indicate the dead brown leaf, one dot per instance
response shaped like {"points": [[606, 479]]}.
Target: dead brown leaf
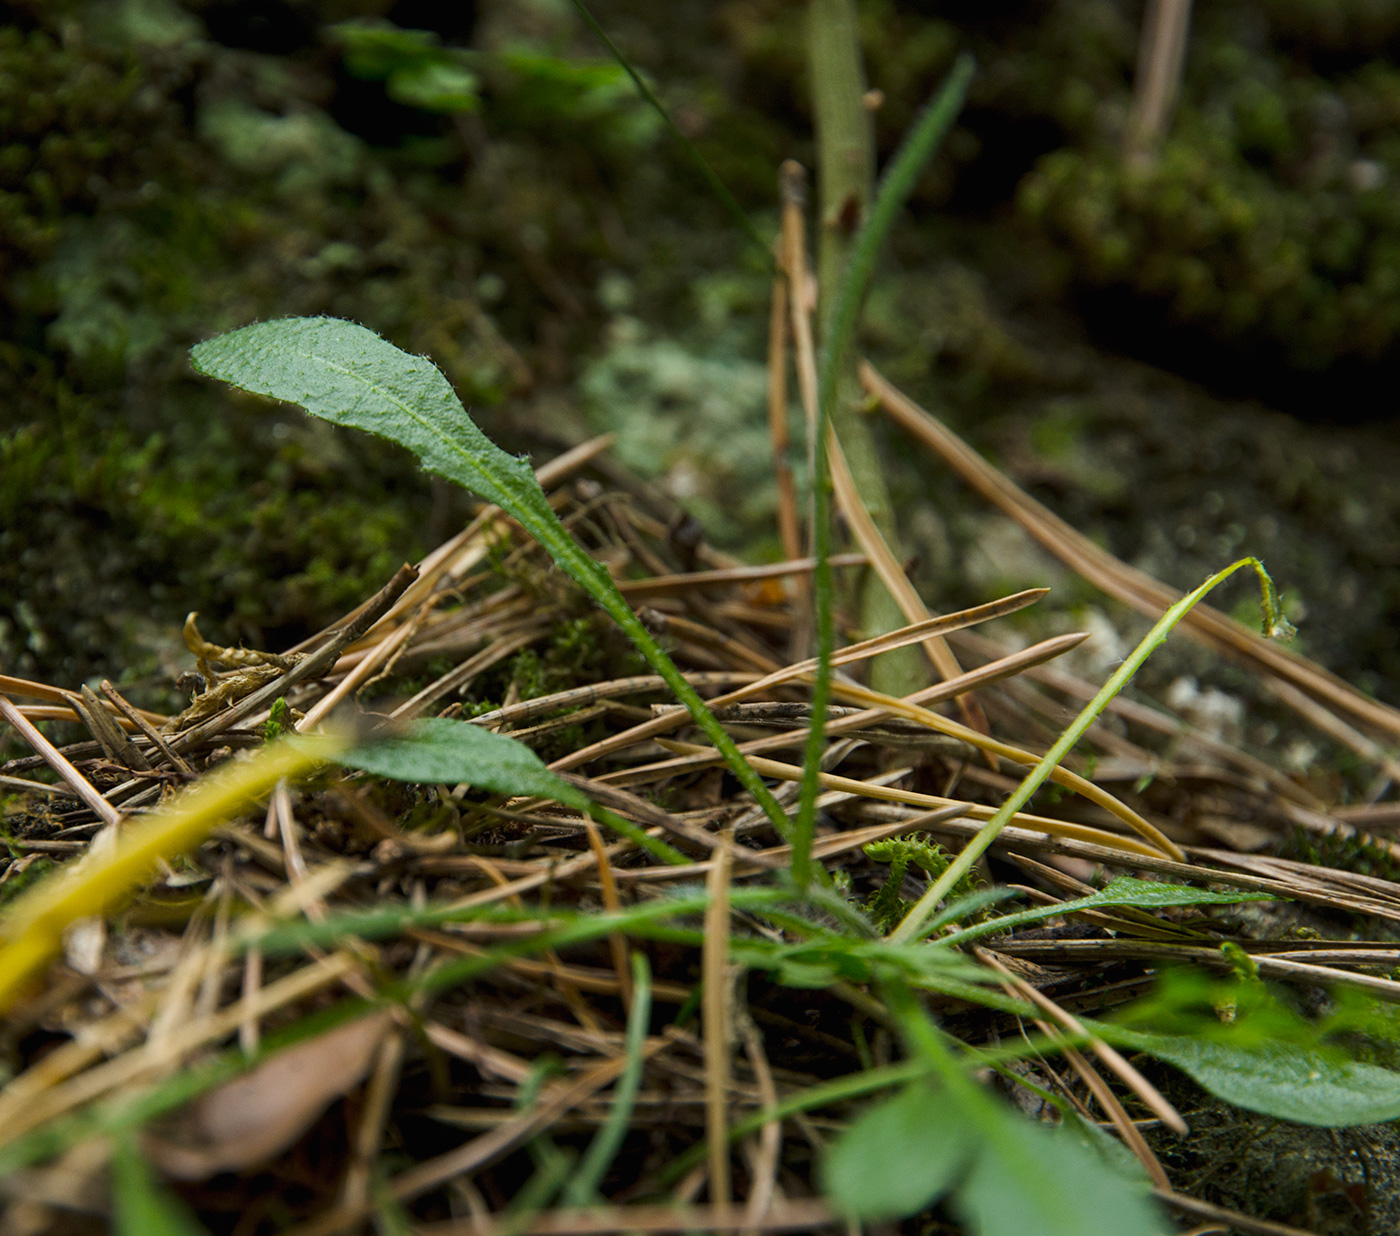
{"points": [[258, 1115]]}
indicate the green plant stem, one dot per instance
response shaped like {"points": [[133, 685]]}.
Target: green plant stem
{"points": [[845, 141], [598, 583], [913, 922], [895, 187], [845, 136], [583, 1188], [625, 828], [702, 165]]}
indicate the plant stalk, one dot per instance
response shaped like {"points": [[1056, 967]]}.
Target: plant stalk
{"points": [[846, 174]]}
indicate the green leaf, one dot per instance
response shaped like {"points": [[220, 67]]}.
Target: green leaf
{"points": [[1123, 891], [375, 49], [436, 87], [899, 1157], [442, 750], [1029, 1178], [346, 374], [140, 1206], [1280, 1079]]}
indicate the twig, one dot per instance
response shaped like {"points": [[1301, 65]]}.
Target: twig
{"points": [[789, 526], [55, 759], [135, 716], [718, 1024], [314, 665], [1161, 56]]}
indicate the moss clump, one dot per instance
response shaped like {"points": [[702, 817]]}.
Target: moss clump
{"points": [[1269, 216], [888, 907]]}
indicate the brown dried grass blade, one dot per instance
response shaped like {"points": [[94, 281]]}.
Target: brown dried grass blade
{"points": [[1115, 577], [892, 575]]}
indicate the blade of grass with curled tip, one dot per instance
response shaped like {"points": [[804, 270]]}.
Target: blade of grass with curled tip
{"points": [[1274, 622], [346, 374], [893, 191]]}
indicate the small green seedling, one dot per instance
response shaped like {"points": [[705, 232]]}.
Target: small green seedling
{"points": [[348, 375]]}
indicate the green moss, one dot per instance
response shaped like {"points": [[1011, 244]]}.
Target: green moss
{"points": [[887, 907], [1343, 853], [1267, 217]]}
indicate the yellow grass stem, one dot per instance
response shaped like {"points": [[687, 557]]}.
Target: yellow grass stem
{"points": [[31, 933]]}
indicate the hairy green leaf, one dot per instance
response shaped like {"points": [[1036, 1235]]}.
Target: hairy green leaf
{"points": [[442, 750], [1028, 1178], [1123, 891], [899, 1157], [1281, 1079], [346, 374]]}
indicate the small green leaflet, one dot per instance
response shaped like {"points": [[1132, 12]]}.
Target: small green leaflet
{"points": [[899, 1157], [346, 374], [1006, 1175], [442, 750], [140, 1206], [1123, 891], [1280, 1079], [1029, 1178]]}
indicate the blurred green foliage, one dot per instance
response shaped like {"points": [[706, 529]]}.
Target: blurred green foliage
{"points": [[157, 186], [1269, 216]]}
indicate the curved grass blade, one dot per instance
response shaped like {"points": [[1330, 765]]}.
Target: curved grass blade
{"points": [[602, 1150], [913, 922], [348, 375]]}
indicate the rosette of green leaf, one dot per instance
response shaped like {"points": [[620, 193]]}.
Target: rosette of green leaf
{"points": [[348, 375], [439, 750]]}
